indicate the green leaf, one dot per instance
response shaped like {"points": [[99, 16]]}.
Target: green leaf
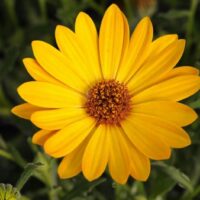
{"points": [[82, 187], [6, 155], [16, 156], [162, 185], [174, 14], [28, 172], [175, 174]]}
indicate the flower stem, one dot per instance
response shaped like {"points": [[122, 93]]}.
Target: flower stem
{"points": [[28, 172]]}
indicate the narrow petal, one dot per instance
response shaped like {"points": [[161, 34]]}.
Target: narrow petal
{"points": [[57, 118], [186, 70], [126, 42], [58, 65], [174, 88], [161, 43], [139, 43], [71, 164], [86, 34], [25, 110], [156, 66], [174, 112], [119, 159], [111, 41], [178, 71], [69, 138], [38, 73], [49, 95], [144, 140], [96, 154], [160, 129], [70, 46], [139, 164], [41, 137]]}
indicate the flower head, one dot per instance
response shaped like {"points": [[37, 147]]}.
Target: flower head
{"points": [[108, 100], [8, 192]]}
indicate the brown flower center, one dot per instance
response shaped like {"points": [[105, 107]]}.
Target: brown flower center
{"points": [[108, 102]]}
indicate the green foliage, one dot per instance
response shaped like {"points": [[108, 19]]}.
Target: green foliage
{"points": [[23, 21]]}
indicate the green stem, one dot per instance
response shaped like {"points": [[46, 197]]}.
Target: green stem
{"points": [[10, 7], [53, 181], [6, 155], [28, 172], [129, 10], [190, 26], [43, 10]]}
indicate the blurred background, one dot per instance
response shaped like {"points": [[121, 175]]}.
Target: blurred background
{"points": [[22, 21]]}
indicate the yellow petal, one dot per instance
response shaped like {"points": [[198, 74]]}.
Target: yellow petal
{"points": [[174, 112], [96, 154], [70, 46], [160, 129], [139, 43], [58, 65], [119, 159], [139, 164], [126, 43], [126, 36], [69, 138], [178, 71], [25, 110], [71, 164], [49, 95], [111, 41], [161, 43], [186, 70], [144, 140], [156, 66], [86, 34], [37, 72], [57, 118], [174, 88], [182, 70], [41, 137]]}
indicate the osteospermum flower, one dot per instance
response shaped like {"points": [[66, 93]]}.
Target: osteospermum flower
{"points": [[108, 100]]}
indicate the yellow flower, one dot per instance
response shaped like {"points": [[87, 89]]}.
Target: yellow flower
{"points": [[108, 100]]}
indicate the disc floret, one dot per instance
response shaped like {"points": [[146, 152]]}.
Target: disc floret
{"points": [[108, 102]]}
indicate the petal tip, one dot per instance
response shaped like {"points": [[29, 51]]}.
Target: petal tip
{"points": [[188, 141], [146, 19], [60, 172], [20, 89], [182, 43], [81, 14], [59, 28], [195, 116], [47, 150], [35, 43], [34, 139], [113, 8], [25, 60], [14, 110]]}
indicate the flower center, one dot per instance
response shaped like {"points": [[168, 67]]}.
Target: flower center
{"points": [[108, 102]]}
